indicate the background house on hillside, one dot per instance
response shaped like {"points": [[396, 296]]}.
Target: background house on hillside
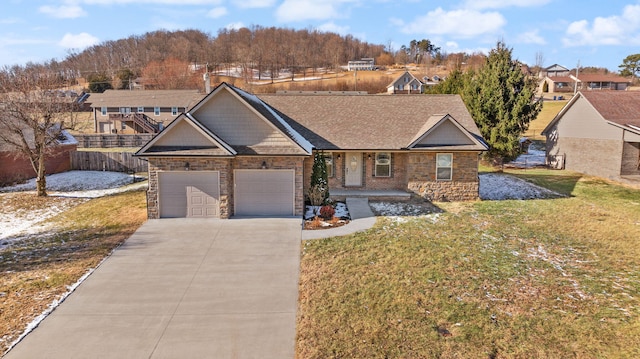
{"points": [[601, 82], [597, 133], [139, 111], [406, 83], [364, 64], [559, 79], [554, 70]]}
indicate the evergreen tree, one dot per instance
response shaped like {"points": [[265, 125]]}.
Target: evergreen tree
{"points": [[453, 84], [319, 177], [630, 66], [501, 100], [99, 83]]}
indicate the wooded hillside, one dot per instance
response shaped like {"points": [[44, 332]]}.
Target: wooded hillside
{"points": [[177, 59]]}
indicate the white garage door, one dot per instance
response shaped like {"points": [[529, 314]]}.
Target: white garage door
{"points": [[189, 194], [264, 192]]}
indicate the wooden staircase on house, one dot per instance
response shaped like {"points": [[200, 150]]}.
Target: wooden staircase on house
{"points": [[146, 123]]}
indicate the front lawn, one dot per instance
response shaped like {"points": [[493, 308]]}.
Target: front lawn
{"points": [[37, 269], [545, 278]]}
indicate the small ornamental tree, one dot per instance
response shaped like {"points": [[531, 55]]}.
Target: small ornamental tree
{"points": [[319, 177]]}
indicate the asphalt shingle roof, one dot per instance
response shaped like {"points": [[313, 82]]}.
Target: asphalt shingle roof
{"points": [[146, 98], [621, 107], [365, 122]]}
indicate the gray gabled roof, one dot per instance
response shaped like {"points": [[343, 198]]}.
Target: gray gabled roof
{"points": [[209, 144], [413, 78], [464, 141], [146, 98], [369, 122], [342, 122], [618, 108]]}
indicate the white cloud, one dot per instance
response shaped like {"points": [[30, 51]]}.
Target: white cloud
{"points": [[63, 11], [612, 30], [217, 12], [456, 23], [253, 4], [234, 26], [531, 37], [497, 4], [451, 45], [332, 27], [396, 22], [159, 2], [10, 21], [301, 10], [79, 41]]}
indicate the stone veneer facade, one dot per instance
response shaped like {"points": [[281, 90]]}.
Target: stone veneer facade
{"points": [[411, 171], [225, 166]]}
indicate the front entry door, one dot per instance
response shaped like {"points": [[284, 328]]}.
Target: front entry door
{"points": [[353, 169]]}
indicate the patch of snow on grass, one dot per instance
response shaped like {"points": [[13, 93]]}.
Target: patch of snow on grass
{"points": [[26, 222], [72, 184], [76, 181], [494, 186], [535, 157]]}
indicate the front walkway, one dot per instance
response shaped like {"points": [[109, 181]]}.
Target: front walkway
{"points": [[183, 288]]}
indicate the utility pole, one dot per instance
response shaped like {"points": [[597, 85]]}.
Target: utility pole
{"points": [[355, 79], [575, 85]]}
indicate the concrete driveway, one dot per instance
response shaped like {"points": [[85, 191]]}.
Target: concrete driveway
{"points": [[183, 288]]}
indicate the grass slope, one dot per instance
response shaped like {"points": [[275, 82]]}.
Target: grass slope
{"points": [[493, 279], [549, 110], [38, 270]]}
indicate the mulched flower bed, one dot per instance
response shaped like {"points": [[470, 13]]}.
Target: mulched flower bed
{"points": [[315, 222]]}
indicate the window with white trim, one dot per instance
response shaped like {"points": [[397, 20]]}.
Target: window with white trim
{"points": [[103, 110], [383, 164], [328, 160], [156, 111], [174, 111], [444, 166], [140, 109], [125, 110]]}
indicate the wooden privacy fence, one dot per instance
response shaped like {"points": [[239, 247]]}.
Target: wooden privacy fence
{"points": [[107, 161], [113, 140]]}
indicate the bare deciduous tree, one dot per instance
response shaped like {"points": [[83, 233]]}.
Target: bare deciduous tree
{"points": [[34, 115]]}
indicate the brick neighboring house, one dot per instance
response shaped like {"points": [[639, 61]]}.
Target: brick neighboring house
{"points": [[597, 133], [16, 167], [139, 111], [237, 154], [560, 80]]}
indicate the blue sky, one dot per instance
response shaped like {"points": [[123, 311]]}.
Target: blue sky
{"points": [[594, 32]]}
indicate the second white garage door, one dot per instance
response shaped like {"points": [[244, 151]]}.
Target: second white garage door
{"points": [[264, 192], [189, 194]]}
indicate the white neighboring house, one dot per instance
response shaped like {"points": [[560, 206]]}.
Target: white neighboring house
{"points": [[364, 64], [406, 83]]}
